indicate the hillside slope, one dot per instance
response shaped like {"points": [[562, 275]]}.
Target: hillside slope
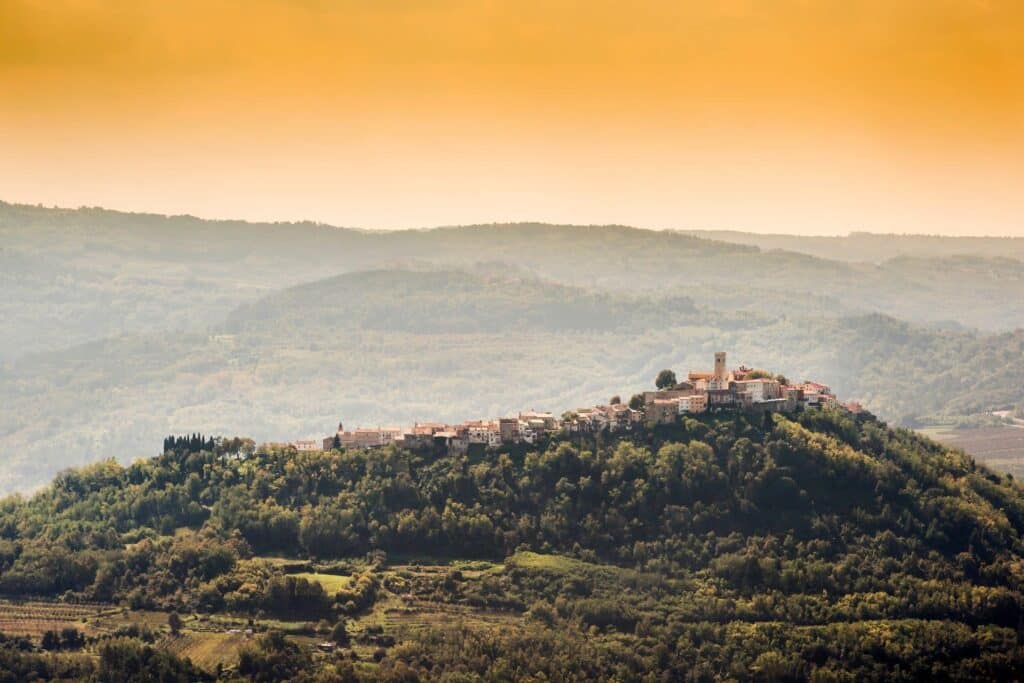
{"points": [[819, 548]]}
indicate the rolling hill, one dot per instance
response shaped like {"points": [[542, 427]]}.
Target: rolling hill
{"points": [[819, 547], [73, 276], [456, 302]]}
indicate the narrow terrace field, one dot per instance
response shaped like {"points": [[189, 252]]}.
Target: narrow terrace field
{"points": [[409, 602], [116, 618], [415, 616], [33, 618]]}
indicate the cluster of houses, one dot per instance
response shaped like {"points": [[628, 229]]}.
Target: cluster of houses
{"points": [[742, 388]]}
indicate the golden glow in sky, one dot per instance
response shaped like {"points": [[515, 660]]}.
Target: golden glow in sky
{"points": [[789, 116]]}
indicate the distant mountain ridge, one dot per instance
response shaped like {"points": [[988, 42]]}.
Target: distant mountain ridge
{"points": [[873, 247], [142, 272]]}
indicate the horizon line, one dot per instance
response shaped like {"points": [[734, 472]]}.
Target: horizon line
{"points": [[449, 226]]}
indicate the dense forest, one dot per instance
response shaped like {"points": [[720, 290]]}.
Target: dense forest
{"points": [[822, 547]]}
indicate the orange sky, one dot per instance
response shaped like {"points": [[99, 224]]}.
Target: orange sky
{"points": [[790, 116]]}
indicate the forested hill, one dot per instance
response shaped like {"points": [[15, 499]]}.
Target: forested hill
{"points": [[458, 302], [824, 547]]}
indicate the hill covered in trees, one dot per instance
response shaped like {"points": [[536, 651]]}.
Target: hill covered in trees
{"points": [[452, 302], [822, 547]]}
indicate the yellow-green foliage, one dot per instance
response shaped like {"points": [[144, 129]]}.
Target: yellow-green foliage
{"points": [[359, 594], [553, 563], [826, 445]]}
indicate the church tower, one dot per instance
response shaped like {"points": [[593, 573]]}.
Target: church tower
{"points": [[720, 371]]}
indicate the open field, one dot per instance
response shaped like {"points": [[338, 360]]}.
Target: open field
{"points": [[1001, 448], [33, 618], [554, 563], [332, 583], [207, 649], [116, 618]]}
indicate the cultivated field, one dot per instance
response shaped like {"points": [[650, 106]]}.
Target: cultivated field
{"points": [[1001, 448], [401, 611], [33, 618], [413, 617], [207, 649]]}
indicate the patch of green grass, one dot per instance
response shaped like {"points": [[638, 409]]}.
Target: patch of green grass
{"points": [[476, 565], [606, 575], [527, 559], [332, 583]]}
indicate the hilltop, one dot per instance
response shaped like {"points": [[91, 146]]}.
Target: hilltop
{"points": [[820, 546]]}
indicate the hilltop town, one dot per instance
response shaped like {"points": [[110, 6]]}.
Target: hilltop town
{"points": [[720, 389]]}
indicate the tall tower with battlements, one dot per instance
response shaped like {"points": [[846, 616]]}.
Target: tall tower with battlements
{"points": [[720, 371]]}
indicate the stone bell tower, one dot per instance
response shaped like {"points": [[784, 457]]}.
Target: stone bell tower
{"points": [[720, 371]]}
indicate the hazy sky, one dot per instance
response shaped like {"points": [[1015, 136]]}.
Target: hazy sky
{"points": [[791, 116]]}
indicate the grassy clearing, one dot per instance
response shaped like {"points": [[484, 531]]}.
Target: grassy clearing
{"points": [[606, 575], [332, 583], [207, 649], [278, 561], [526, 559], [472, 568]]}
